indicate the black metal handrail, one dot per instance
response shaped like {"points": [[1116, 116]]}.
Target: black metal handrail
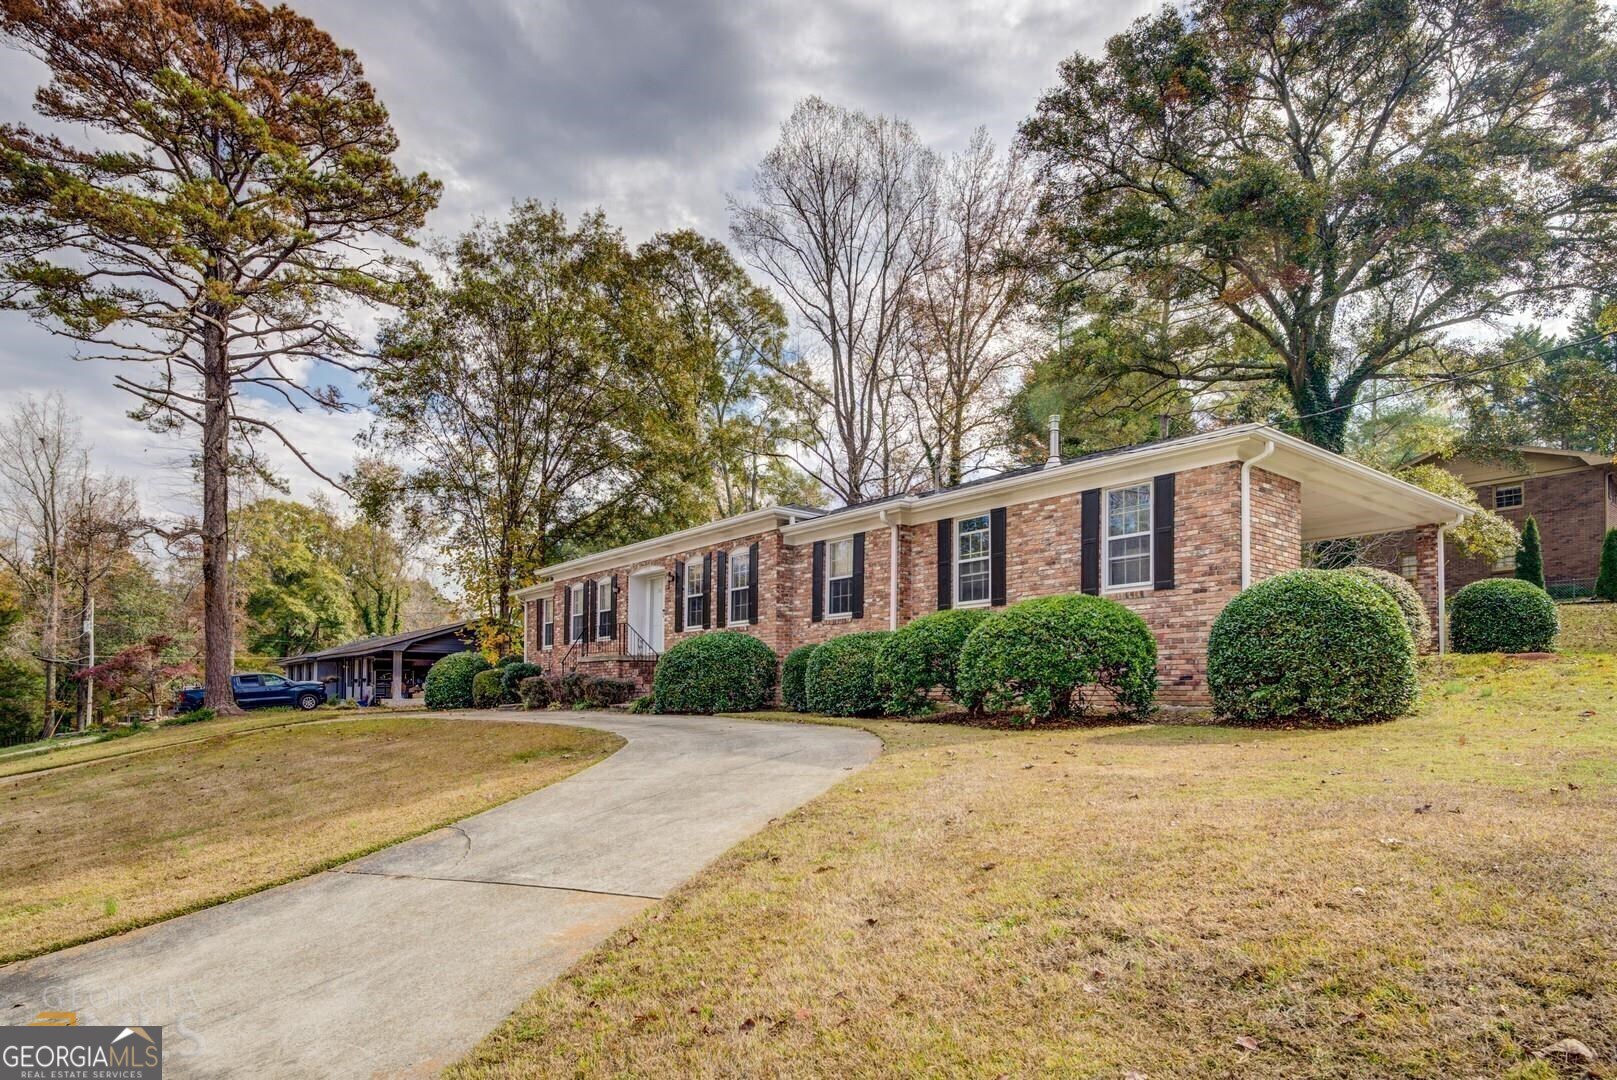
{"points": [[626, 644]]}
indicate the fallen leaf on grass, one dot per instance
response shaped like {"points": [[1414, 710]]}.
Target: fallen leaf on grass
{"points": [[1247, 1043]]}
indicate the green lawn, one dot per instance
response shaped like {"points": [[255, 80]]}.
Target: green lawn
{"points": [[1433, 897], [168, 821]]}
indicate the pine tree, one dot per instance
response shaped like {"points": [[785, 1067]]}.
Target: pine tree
{"points": [[1606, 583], [1530, 556]]}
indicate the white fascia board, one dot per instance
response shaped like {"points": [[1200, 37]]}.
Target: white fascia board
{"points": [[714, 532]]}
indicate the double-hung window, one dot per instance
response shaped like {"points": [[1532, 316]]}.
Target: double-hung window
{"points": [[1128, 537], [603, 609], [695, 588], [741, 586], [1508, 497], [575, 614], [1408, 566], [839, 577], [973, 552], [547, 623]]}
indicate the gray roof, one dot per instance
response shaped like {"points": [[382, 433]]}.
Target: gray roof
{"points": [[384, 643]]}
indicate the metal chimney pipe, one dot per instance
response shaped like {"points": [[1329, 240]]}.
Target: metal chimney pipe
{"points": [[1164, 425], [1055, 441]]}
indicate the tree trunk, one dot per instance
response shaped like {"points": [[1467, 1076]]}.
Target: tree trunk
{"points": [[218, 610]]}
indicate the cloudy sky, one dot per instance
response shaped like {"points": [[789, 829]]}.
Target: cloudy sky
{"points": [[650, 111]]}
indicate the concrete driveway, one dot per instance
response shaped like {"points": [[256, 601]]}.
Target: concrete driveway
{"points": [[396, 964]]}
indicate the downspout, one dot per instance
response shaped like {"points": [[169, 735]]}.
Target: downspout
{"points": [[892, 572], [1246, 511]]}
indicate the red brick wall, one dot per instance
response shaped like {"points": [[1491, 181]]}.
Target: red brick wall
{"points": [[1573, 511], [1042, 558]]}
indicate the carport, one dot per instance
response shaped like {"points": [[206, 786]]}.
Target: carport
{"points": [[386, 670]]}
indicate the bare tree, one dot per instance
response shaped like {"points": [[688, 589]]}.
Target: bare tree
{"points": [[40, 454], [833, 222], [971, 325], [103, 522]]}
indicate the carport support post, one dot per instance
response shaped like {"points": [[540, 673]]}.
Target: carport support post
{"points": [[398, 677]]}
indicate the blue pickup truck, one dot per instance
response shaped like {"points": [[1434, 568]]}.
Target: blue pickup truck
{"points": [[258, 691]]}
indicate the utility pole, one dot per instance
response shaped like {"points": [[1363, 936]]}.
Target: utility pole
{"points": [[88, 715]]}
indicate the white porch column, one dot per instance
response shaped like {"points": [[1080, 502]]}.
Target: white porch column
{"points": [[398, 677], [1442, 595]]}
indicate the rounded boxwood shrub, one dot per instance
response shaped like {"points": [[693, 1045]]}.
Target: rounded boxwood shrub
{"points": [[486, 691], [722, 671], [1311, 646], [508, 659], [1502, 615], [1043, 653], [601, 691], [1410, 605], [842, 675], [794, 678], [535, 692], [511, 676], [449, 681], [924, 656]]}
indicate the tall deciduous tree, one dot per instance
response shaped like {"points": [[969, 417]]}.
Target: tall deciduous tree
{"points": [[549, 397], [41, 455], [834, 221], [1348, 181], [244, 184], [735, 331], [971, 327]]}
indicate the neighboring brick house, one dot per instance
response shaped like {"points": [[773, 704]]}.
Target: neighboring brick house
{"points": [[1571, 494], [1171, 529]]}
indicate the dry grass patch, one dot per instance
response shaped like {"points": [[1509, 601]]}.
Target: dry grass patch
{"points": [[97, 746], [1588, 627], [136, 838], [1431, 897]]}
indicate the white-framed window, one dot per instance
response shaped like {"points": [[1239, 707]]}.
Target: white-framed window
{"points": [[575, 614], [695, 589], [603, 609], [1407, 567], [547, 623], [1128, 537], [741, 571], [1507, 497], [973, 558], [1506, 565], [839, 577]]}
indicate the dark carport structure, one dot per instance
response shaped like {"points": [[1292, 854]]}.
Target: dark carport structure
{"points": [[378, 670]]}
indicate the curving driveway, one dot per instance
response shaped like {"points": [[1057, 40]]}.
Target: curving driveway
{"points": [[399, 962]]}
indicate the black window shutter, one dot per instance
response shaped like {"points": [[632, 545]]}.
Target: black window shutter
{"points": [[567, 616], [707, 590], [613, 633], [817, 580], [945, 563], [996, 556], [722, 609], [1162, 528], [679, 597], [1089, 549], [752, 582], [858, 575]]}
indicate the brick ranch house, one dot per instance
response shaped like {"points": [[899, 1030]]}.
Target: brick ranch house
{"points": [[1171, 529], [1571, 494]]}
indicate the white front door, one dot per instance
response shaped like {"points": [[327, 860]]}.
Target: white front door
{"points": [[646, 611]]}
